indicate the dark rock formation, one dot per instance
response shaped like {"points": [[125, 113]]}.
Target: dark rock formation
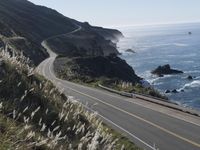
{"points": [[160, 75], [84, 68], [190, 77], [2, 71], [165, 70], [82, 43], [167, 91], [174, 91], [130, 51]]}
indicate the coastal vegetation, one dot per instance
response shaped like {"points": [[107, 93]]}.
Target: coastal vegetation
{"points": [[36, 115], [110, 71]]}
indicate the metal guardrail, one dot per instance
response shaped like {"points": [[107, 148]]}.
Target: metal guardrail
{"points": [[152, 99], [117, 92]]}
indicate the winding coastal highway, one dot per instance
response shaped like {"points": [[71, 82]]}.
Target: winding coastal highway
{"points": [[149, 125]]}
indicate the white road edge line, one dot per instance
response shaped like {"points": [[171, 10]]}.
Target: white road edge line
{"points": [[161, 128], [132, 135], [137, 138], [131, 102]]}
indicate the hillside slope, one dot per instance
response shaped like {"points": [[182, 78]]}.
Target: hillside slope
{"points": [[36, 115], [82, 43], [21, 18], [107, 70]]}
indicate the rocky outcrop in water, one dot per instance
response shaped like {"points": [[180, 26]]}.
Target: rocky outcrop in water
{"points": [[190, 77], [165, 70], [130, 51], [167, 91]]}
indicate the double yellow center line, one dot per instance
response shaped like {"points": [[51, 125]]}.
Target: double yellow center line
{"points": [[133, 115], [140, 118]]}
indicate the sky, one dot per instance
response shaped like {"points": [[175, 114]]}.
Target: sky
{"points": [[127, 12]]}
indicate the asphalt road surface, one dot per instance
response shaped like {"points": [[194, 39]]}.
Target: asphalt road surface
{"points": [[147, 124]]}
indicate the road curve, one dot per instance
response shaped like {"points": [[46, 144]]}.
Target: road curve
{"points": [[147, 124]]}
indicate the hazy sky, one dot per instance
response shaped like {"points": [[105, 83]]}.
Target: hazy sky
{"points": [[127, 12]]}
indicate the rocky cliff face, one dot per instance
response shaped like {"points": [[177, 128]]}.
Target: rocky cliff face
{"points": [[82, 43], [23, 19], [109, 34], [95, 69]]}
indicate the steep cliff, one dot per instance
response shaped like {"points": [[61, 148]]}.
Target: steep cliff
{"points": [[82, 43]]}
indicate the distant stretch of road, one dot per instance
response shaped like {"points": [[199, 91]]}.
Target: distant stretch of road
{"points": [[147, 124]]}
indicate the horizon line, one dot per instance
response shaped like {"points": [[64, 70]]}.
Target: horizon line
{"points": [[150, 24]]}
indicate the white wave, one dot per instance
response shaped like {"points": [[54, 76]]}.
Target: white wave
{"points": [[170, 55], [147, 74], [180, 44], [141, 47], [153, 81], [188, 61], [189, 55], [197, 77], [193, 71], [194, 84], [158, 83], [169, 75], [166, 44]]}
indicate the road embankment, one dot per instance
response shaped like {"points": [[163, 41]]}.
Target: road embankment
{"points": [[154, 100]]}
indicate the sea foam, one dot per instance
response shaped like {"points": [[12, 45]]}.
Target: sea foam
{"points": [[194, 84], [180, 44]]}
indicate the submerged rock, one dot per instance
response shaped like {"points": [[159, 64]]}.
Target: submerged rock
{"points": [[160, 75], [130, 51], [174, 91], [165, 70], [167, 91], [190, 77]]}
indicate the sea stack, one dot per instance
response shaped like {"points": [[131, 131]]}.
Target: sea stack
{"points": [[165, 70]]}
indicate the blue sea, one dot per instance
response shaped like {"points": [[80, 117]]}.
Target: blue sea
{"points": [[166, 44]]}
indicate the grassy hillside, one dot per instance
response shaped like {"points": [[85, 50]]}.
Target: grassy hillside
{"points": [[35, 115]]}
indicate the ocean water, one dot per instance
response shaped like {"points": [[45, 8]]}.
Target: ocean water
{"points": [[166, 44]]}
